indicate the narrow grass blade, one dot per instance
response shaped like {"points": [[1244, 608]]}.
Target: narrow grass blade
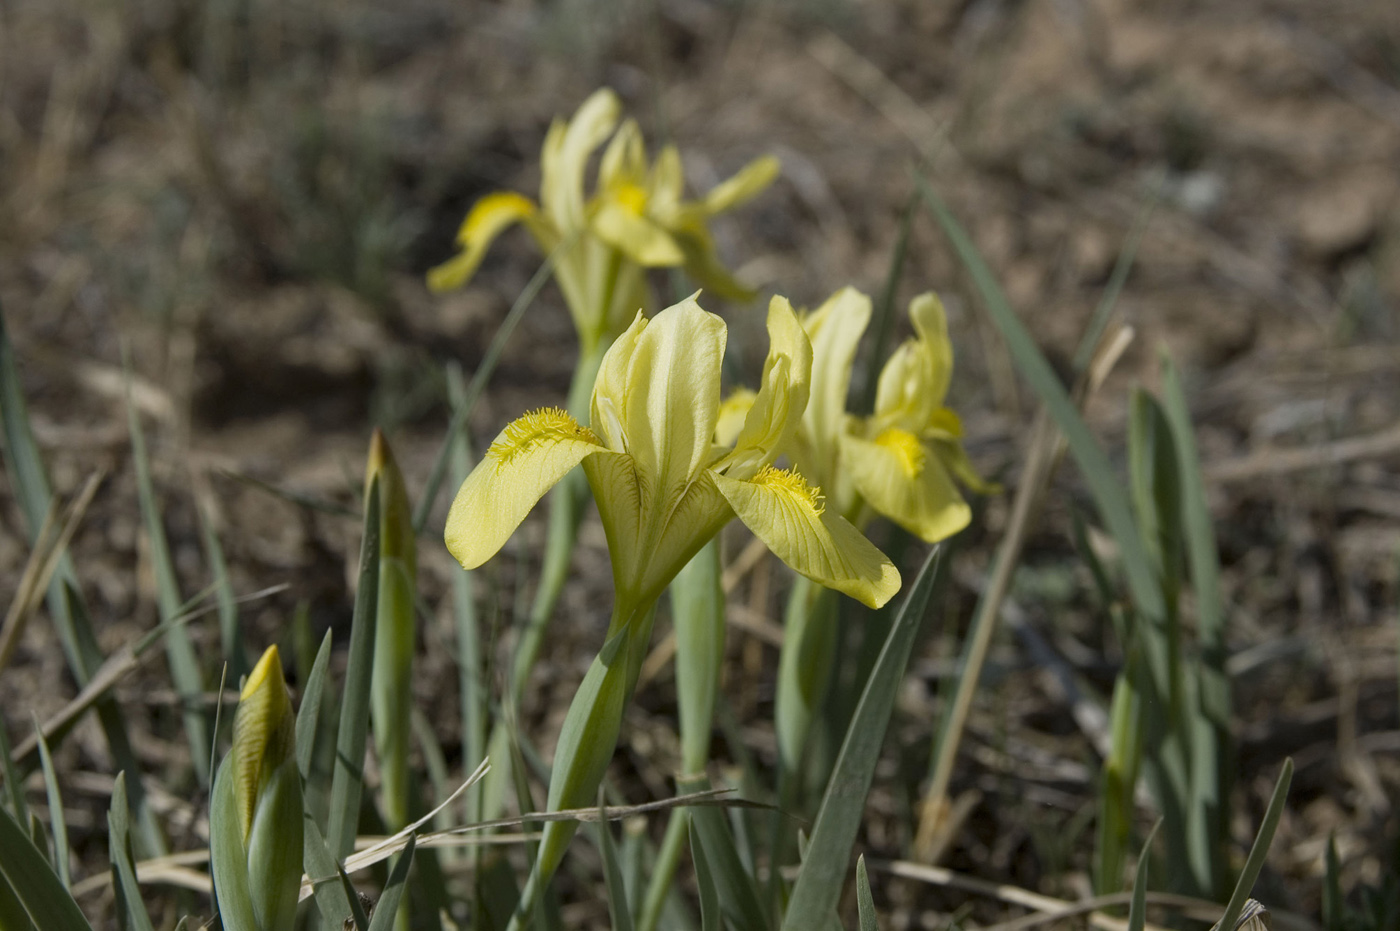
{"points": [[14, 783], [66, 606], [1333, 904], [348, 781], [865, 902], [735, 882], [57, 822], [324, 874], [1100, 478], [230, 636], [482, 374], [119, 851], [184, 664], [357, 908], [818, 887], [1259, 852], [309, 715], [710, 913], [884, 309], [1137, 910], [618, 907], [469, 665], [33, 881], [388, 907], [697, 612], [1116, 279]]}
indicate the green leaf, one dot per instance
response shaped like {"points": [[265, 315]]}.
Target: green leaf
{"points": [[132, 910], [618, 907], [57, 821], [184, 663], [710, 914], [332, 901], [14, 784], [865, 902], [230, 636], [1260, 851], [388, 907], [309, 714], [1137, 910], [1102, 482], [738, 895], [33, 881], [30, 485], [228, 857], [697, 612], [884, 310], [818, 887], [1333, 904], [348, 780]]}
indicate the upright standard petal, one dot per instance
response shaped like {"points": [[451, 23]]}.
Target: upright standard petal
{"points": [[611, 387], [787, 514], [900, 478], [488, 218], [782, 395], [526, 460], [915, 380], [561, 190], [835, 329], [672, 396]]}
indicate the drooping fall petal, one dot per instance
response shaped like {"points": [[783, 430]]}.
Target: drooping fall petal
{"points": [[899, 478], [785, 513], [742, 187], [528, 458], [488, 218]]}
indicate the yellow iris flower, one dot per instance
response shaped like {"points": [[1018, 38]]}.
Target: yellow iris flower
{"points": [[635, 219], [901, 460], [663, 485]]}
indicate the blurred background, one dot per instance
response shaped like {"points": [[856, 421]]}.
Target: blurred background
{"points": [[242, 197]]}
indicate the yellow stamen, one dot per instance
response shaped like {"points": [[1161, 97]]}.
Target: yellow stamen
{"points": [[791, 481], [907, 449], [631, 196], [548, 424]]}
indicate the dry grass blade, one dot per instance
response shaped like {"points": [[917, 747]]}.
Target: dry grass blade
{"points": [[53, 540]]}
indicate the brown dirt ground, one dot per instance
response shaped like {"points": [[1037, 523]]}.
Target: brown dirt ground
{"points": [[244, 196]]}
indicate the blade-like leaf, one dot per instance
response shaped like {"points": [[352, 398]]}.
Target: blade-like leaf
{"points": [[1257, 854], [335, 906], [34, 882], [818, 887], [70, 617], [865, 902], [57, 822], [710, 916], [119, 851], [184, 663], [1137, 910], [348, 781], [388, 906], [1103, 484], [618, 907], [309, 714]]}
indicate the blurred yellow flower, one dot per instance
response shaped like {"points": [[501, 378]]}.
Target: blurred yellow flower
{"points": [[664, 487], [635, 219], [901, 460]]}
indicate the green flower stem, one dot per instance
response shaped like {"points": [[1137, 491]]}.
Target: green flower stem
{"points": [[804, 669], [587, 741], [804, 674], [697, 607]]}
